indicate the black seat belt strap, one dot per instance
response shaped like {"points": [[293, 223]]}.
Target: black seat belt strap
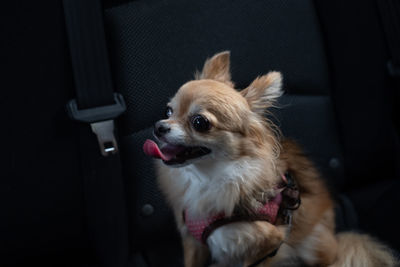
{"points": [[95, 102], [97, 105]]}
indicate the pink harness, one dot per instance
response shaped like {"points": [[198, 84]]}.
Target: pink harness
{"points": [[202, 228]]}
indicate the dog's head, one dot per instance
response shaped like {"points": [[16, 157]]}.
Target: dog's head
{"points": [[208, 119]]}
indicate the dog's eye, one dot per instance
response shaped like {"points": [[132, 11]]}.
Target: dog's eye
{"points": [[168, 112], [200, 123]]}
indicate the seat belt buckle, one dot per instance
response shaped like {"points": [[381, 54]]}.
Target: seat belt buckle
{"points": [[101, 120], [105, 136]]}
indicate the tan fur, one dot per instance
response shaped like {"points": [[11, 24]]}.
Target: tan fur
{"points": [[217, 68], [246, 165], [360, 250], [195, 254], [265, 245], [259, 98]]}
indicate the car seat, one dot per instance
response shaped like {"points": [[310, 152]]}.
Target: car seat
{"points": [[339, 105]]}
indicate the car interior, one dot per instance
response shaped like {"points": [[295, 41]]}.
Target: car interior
{"points": [[65, 204]]}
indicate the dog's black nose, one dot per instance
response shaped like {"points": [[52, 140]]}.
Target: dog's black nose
{"points": [[161, 129]]}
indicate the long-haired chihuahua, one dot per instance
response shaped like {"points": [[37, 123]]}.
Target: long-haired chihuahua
{"points": [[240, 192]]}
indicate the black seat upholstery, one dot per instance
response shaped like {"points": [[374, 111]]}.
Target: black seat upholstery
{"points": [[339, 105]]}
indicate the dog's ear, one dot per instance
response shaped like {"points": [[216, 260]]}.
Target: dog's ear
{"points": [[263, 91], [217, 68]]}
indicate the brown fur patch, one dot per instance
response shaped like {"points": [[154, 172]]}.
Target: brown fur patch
{"points": [[316, 203]]}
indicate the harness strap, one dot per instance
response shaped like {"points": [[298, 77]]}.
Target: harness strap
{"points": [[287, 200], [291, 201]]}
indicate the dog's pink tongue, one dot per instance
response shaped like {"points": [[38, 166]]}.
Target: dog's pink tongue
{"points": [[166, 153], [151, 149]]}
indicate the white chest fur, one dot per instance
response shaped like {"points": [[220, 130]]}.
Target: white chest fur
{"points": [[213, 187]]}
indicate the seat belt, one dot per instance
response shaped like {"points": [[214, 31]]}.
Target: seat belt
{"points": [[96, 106]]}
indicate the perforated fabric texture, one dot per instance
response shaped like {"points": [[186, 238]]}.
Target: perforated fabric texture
{"points": [[150, 217], [156, 46]]}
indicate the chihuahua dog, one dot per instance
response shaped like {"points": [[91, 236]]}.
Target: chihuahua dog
{"points": [[240, 192]]}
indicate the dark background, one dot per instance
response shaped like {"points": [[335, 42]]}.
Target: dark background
{"points": [[340, 105]]}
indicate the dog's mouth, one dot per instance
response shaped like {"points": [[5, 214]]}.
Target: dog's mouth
{"points": [[174, 154]]}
